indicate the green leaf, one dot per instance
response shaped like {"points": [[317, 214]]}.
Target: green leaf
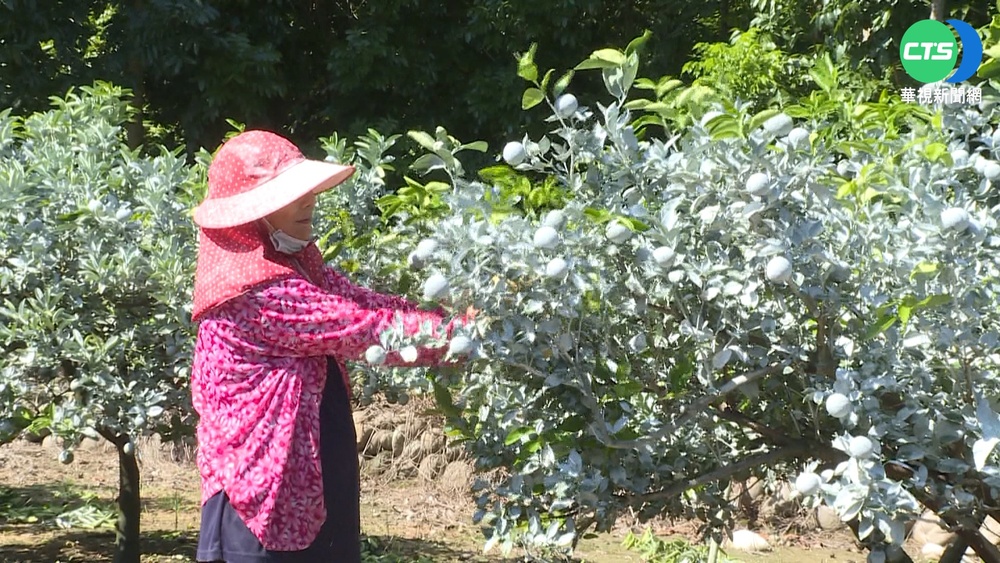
{"points": [[989, 69], [592, 64], [849, 187], [798, 112], [935, 151], [560, 86], [499, 214], [923, 268], [824, 73], [911, 305], [659, 108], [759, 119], [498, 173], [681, 373], [597, 215], [668, 86], [526, 67], [480, 146], [613, 56], [424, 139], [881, 325], [639, 104], [630, 69], [531, 98], [695, 95], [849, 148], [435, 186], [574, 423], [602, 58], [724, 127], [528, 72], [442, 395], [932, 301], [427, 162], [636, 45], [627, 389], [644, 121], [237, 126], [70, 217], [533, 446], [869, 194], [645, 84], [545, 79], [903, 312], [516, 434], [634, 224]]}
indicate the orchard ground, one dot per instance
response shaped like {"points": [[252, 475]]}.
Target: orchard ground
{"points": [[405, 516]]}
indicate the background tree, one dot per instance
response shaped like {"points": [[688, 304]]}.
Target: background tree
{"points": [[96, 266], [44, 50], [859, 32], [309, 68]]}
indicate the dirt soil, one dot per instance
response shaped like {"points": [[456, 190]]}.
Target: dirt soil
{"points": [[411, 519]]}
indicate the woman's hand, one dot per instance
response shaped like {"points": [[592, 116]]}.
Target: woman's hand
{"points": [[471, 313]]}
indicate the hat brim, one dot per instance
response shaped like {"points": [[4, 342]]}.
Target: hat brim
{"points": [[287, 187]]}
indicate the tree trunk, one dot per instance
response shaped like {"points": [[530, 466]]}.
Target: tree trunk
{"points": [[127, 548], [954, 552], [724, 20], [134, 131], [939, 10]]}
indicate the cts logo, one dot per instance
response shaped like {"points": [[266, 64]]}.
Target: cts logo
{"points": [[943, 51], [929, 51]]}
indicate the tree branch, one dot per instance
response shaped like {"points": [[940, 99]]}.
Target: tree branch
{"points": [[737, 417], [974, 538], [800, 449], [117, 439], [810, 303], [696, 408]]}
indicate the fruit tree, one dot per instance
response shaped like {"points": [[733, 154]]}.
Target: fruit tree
{"points": [[809, 292], [96, 264]]}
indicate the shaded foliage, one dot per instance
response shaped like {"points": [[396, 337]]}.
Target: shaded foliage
{"points": [[309, 68]]}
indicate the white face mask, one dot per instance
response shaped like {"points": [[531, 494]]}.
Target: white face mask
{"points": [[284, 242]]}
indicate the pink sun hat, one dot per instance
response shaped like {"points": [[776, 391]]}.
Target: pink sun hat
{"points": [[257, 173]]}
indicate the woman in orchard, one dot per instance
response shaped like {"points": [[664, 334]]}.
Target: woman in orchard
{"points": [[276, 442]]}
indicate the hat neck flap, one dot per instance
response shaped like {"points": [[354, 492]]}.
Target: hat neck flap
{"points": [[232, 261]]}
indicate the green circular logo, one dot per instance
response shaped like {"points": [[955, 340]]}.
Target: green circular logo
{"points": [[928, 51]]}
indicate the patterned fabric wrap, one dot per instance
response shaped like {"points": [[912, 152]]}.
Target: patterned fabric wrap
{"points": [[257, 383]]}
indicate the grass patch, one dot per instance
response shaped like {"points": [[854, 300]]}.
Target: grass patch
{"points": [[61, 505]]}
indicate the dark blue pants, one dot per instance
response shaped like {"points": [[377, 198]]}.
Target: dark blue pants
{"points": [[225, 538]]}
